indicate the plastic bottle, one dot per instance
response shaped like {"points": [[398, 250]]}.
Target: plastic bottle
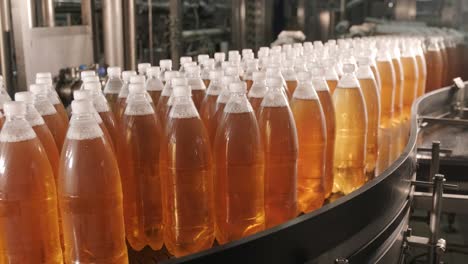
{"points": [[53, 120], [434, 66], [387, 92], [53, 96], [278, 131], [258, 90], [85, 74], [239, 177], [154, 85], [102, 107], [207, 65], [192, 73], [323, 93], [397, 103], [142, 67], [4, 96], [113, 86], [445, 63], [123, 94], [165, 66], [90, 193], [274, 71], [351, 133], [183, 60], [221, 102], [29, 229], [187, 179], [289, 75], [219, 58], [370, 91], [330, 75], [178, 81], [139, 169], [208, 107], [422, 68], [312, 138], [161, 106], [251, 67]]}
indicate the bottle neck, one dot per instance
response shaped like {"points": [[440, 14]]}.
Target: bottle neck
{"points": [[16, 129], [183, 108]]}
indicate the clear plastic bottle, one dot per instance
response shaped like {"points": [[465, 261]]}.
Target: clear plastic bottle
{"points": [[370, 91], [183, 61], [196, 84], [123, 94], [278, 131], [221, 102], [142, 67], [258, 90], [4, 96], [178, 81], [29, 229], [397, 103], [422, 68], [53, 96], [139, 169], [161, 106], [113, 86], [274, 71], [239, 177], [251, 67], [312, 138], [321, 88], [434, 66], [207, 66], [289, 75], [330, 75], [351, 133], [154, 84], [219, 58], [90, 193], [85, 74], [165, 66], [445, 63], [186, 162], [208, 107], [53, 120]]}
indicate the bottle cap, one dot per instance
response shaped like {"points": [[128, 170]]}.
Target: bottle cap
{"points": [[127, 74], [252, 63], [142, 67], [193, 70], [363, 61], [44, 80], [181, 91], [246, 51], [303, 76], [248, 56], [202, 57], [82, 107], [88, 79], [231, 71], [38, 88], [114, 71], [214, 75], [13, 108], [26, 97], [258, 76], [220, 56], [238, 87], [165, 64], [92, 86], [226, 80], [274, 82], [136, 88], [87, 73], [44, 75], [179, 81], [208, 62], [81, 94], [153, 71], [349, 68], [169, 75], [185, 59], [137, 79]]}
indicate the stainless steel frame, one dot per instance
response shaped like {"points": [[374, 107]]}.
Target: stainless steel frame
{"points": [[113, 32]]}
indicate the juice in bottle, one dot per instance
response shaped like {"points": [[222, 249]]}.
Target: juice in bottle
{"points": [[351, 133], [278, 131], [289, 75], [208, 106], [113, 86], [192, 73], [90, 193], [445, 63], [422, 69], [29, 225], [397, 104], [257, 90], [178, 81], [387, 92], [161, 106], [325, 98], [46, 78], [53, 120], [239, 178], [120, 108], [187, 179], [139, 169], [221, 102], [452, 60], [154, 85], [370, 91], [434, 66], [312, 138]]}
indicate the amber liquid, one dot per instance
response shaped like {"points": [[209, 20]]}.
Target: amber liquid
{"points": [[28, 204], [112, 128], [161, 110], [291, 85], [57, 127], [387, 91], [113, 100], [370, 91], [121, 105], [329, 114], [311, 134], [351, 138], [62, 113], [375, 71], [198, 96], [141, 184], [249, 84], [410, 86], [422, 75], [445, 67], [453, 65], [206, 82], [460, 59], [434, 70], [155, 95], [256, 103], [90, 195], [239, 178], [397, 111], [332, 85], [187, 184], [279, 135], [207, 114]]}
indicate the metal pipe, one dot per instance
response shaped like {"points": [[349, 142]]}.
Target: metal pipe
{"points": [[113, 32], [5, 8], [175, 29], [130, 34], [150, 30], [434, 223], [5, 50], [87, 18], [203, 32], [48, 13]]}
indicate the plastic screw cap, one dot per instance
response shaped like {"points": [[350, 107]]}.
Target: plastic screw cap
{"points": [[178, 81], [26, 97], [136, 88], [220, 56], [181, 91], [13, 108], [166, 64], [226, 80], [202, 57], [81, 107], [303, 76], [44, 75], [363, 61], [114, 71], [44, 80], [92, 86], [185, 59], [88, 79], [216, 75], [232, 71], [87, 73], [127, 74], [38, 88], [169, 75], [137, 79], [274, 82], [238, 87], [81, 94], [153, 71], [258, 76], [142, 67]]}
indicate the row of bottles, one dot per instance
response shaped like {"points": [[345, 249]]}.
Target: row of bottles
{"points": [[220, 149]]}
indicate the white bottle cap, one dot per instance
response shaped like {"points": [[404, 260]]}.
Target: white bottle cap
{"points": [[127, 74], [246, 51], [169, 75], [208, 62], [303, 76], [43, 75], [185, 59], [178, 81], [274, 82], [220, 56], [81, 94], [88, 79], [26, 97], [38, 88], [114, 71], [82, 107], [231, 71], [238, 87], [193, 70], [226, 80], [216, 75], [142, 67], [165, 64], [153, 71], [137, 79], [92, 86], [202, 57], [181, 91], [13, 108], [136, 88], [87, 73], [44, 80], [258, 76]]}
